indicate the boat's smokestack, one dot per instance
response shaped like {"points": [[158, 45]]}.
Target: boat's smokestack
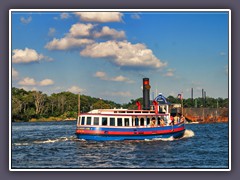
{"points": [[146, 94]]}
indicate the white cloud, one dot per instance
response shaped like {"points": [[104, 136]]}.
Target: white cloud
{"points": [[103, 76], [46, 82], [70, 40], [26, 20], [26, 56], [109, 32], [100, 16], [51, 31], [169, 73], [67, 43], [64, 15], [27, 82], [14, 73], [75, 89], [80, 30], [124, 53], [119, 78]]}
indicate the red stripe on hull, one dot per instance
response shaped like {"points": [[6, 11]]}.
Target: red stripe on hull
{"points": [[129, 133]]}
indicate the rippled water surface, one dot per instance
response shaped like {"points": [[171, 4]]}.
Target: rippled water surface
{"points": [[54, 145]]}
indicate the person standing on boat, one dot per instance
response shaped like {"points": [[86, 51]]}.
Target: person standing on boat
{"points": [[175, 119], [153, 122], [182, 118], [172, 120], [162, 122], [167, 120]]}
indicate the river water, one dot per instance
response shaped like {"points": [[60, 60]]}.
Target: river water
{"points": [[53, 145]]}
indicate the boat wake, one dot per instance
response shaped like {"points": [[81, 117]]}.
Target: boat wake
{"points": [[60, 139], [161, 139], [187, 134]]}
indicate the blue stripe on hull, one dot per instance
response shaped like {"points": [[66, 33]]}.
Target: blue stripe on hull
{"points": [[139, 129], [129, 137]]}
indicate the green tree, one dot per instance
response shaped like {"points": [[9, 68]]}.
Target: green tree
{"points": [[100, 104]]}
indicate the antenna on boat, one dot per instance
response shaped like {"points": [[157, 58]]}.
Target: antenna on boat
{"points": [[182, 101]]}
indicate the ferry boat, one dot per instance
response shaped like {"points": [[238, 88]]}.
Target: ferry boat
{"points": [[151, 122]]}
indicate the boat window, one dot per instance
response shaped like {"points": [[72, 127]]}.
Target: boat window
{"points": [[89, 120], [96, 121], [112, 121], [142, 122], [136, 121], [126, 121], [165, 120], [83, 120], [148, 121], [119, 121], [158, 119], [104, 121]]}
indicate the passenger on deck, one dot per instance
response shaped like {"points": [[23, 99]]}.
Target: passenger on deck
{"points": [[162, 123], [172, 121], [182, 119], [169, 121], [153, 122], [175, 119]]}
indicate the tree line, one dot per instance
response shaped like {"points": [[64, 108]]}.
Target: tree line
{"points": [[27, 105], [207, 102]]}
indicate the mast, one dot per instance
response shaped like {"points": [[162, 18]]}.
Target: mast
{"points": [[182, 101], [182, 105], [79, 103]]}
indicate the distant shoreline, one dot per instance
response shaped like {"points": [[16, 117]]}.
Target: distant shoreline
{"points": [[55, 119], [64, 120]]}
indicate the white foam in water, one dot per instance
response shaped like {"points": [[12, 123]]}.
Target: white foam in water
{"points": [[47, 141], [167, 139], [188, 133], [20, 144], [61, 139], [161, 139]]}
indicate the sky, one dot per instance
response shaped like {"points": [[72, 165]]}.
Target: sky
{"points": [[107, 54]]}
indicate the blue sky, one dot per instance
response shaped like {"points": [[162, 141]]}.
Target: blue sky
{"points": [[106, 54]]}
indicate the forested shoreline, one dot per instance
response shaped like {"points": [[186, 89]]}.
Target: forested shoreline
{"points": [[36, 106]]}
